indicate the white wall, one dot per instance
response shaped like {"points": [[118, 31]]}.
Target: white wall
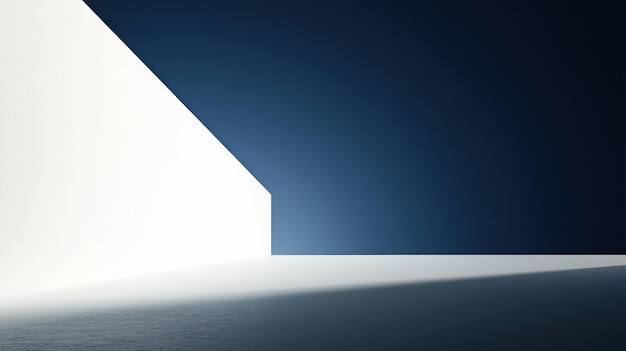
{"points": [[104, 173]]}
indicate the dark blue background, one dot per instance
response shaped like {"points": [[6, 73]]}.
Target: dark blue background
{"points": [[405, 126]]}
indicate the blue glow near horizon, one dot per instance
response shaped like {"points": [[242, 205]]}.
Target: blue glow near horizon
{"points": [[394, 128]]}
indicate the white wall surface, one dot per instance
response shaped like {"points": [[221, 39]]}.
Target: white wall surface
{"points": [[104, 173]]}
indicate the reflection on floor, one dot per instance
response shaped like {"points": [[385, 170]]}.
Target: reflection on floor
{"points": [[271, 275], [581, 309]]}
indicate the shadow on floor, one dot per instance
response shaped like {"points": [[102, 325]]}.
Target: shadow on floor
{"points": [[572, 310]]}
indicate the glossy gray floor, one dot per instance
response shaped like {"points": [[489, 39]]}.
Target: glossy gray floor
{"points": [[582, 309]]}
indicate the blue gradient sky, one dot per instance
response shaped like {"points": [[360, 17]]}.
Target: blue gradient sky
{"points": [[407, 127]]}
